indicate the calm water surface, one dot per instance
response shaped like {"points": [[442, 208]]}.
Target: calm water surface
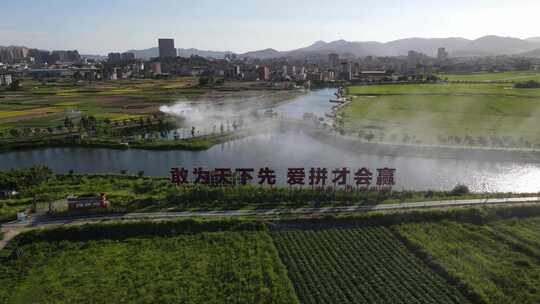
{"points": [[289, 149]]}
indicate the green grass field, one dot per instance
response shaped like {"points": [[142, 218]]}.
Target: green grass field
{"points": [[502, 76], [490, 259], [431, 111], [206, 267], [364, 265]]}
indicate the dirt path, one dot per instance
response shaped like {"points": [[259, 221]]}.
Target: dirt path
{"points": [[10, 233]]}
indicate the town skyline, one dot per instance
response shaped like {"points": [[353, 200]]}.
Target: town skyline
{"points": [[101, 27]]}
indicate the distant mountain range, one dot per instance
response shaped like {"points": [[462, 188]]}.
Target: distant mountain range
{"points": [[457, 47]]}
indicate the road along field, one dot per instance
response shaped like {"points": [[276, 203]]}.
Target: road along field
{"points": [[480, 115]]}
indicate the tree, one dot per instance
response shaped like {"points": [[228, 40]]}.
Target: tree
{"points": [[14, 132], [92, 123], [68, 123], [460, 190], [15, 85], [26, 132], [527, 85], [84, 123], [204, 81]]}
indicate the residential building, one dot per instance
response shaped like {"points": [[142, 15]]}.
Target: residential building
{"points": [[156, 68], [6, 80]]}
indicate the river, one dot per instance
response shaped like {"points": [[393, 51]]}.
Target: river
{"points": [[280, 150]]}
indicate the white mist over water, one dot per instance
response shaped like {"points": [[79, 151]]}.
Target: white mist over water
{"points": [[282, 149]]}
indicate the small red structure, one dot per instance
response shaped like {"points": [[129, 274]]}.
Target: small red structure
{"points": [[85, 202]]}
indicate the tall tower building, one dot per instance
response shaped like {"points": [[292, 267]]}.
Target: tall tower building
{"points": [[166, 48], [333, 59], [442, 54]]}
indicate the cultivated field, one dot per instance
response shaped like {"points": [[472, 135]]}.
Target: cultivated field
{"points": [[463, 255], [363, 265], [498, 261], [455, 114], [47, 104], [201, 267]]}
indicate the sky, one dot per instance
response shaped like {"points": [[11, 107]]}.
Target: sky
{"points": [[103, 26]]}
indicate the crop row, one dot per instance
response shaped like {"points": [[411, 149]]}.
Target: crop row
{"points": [[498, 261], [360, 265]]}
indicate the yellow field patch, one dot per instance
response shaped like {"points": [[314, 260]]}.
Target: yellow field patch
{"points": [[69, 94], [118, 116], [118, 91], [31, 112], [67, 104]]}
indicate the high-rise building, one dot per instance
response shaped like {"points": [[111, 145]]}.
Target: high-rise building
{"points": [[346, 71], [264, 73], [166, 48], [333, 59], [128, 56], [39, 56], [13, 54], [114, 57], [442, 54], [65, 56]]}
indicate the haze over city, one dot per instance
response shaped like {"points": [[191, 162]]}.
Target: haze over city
{"points": [[99, 27]]}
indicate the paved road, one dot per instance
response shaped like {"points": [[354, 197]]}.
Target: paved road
{"points": [[43, 221]]}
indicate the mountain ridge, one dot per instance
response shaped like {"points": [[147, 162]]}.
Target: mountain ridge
{"points": [[487, 45]]}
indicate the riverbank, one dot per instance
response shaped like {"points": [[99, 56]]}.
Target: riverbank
{"points": [[136, 193], [444, 114], [360, 145], [190, 144]]}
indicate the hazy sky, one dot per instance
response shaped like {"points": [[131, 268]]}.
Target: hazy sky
{"points": [[101, 26]]}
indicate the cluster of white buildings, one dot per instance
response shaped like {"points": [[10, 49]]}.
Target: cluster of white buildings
{"points": [[5, 79]]}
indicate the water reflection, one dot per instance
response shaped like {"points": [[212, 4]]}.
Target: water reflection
{"points": [[290, 149]]}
